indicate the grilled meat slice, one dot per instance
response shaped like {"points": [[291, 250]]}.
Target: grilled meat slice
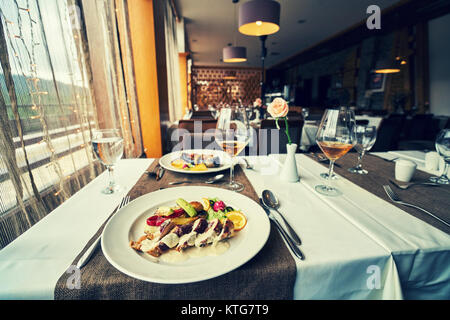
{"points": [[187, 239], [157, 233], [209, 234], [163, 245], [227, 230]]}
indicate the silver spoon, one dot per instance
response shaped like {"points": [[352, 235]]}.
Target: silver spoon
{"points": [[209, 181], [271, 201], [295, 249]]}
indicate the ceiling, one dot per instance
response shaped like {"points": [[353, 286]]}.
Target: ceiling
{"points": [[212, 24]]}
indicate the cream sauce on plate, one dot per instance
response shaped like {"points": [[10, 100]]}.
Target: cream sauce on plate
{"points": [[173, 256]]}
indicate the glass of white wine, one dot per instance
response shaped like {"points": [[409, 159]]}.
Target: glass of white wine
{"points": [[336, 136], [232, 135], [107, 145]]}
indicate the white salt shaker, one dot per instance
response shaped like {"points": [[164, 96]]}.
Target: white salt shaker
{"points": [[432, 160], [404, 170]]}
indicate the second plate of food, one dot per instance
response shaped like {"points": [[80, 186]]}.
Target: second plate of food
{"points": [[196, 161]]}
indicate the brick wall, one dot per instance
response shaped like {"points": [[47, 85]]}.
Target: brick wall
{"points": [[212, 85]]}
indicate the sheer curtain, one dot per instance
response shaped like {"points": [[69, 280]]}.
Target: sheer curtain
{"points": [[49, 104], [173, 67]]}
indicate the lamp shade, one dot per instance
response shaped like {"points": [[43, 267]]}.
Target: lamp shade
{"points": [[234, 54], [259, 17], [386, 66]]}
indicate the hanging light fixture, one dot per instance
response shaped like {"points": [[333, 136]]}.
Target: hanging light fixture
{"points": [[387, 67], [234, 54], [259, 17]]}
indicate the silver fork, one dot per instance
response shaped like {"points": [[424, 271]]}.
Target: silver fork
{"points": [[88, 254], [409, 185], [395, 198]]}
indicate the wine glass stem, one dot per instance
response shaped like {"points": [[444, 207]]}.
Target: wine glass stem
{"points": [[111, 177], [360, 157], [445, 173], [330, 174], [232, 171]]}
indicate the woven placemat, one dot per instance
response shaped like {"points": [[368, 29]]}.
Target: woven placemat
{"points": [[270, 274], [433, 199]]}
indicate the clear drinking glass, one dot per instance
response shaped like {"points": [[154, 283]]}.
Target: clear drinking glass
{"points": [[365, 139], [108, 148], [305, 113], [443, 148], [335, 137], [232, 135]]}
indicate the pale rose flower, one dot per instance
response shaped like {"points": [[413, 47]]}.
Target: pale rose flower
{"points": [[257, 103], [278, 108]]}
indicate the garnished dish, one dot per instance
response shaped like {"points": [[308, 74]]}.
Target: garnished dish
{"points": [[196, 162], [190, 229]]}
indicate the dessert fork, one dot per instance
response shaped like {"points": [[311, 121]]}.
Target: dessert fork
{"points": [[395, 198]]}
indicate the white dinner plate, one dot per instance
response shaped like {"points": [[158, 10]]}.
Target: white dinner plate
{"points": [[167, 159], [129, 222]]}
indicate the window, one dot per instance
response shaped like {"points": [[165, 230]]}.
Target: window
{"points": [[49, 103]]}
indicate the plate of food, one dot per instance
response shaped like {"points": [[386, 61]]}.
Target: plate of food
{"points": [[196, 161], [185, 234]]}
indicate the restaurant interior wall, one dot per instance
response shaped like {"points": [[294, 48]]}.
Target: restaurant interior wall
{"points": [[349, 58], [439, 53]]}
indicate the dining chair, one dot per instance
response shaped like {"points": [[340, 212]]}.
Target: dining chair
{"points": [[388, 134], [202, 114], [204, 124]]}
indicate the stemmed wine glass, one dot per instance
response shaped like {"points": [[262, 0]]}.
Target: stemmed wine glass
{"points": [[443, 148], [233, 135], [108, 148], [365, 139], [335, 137]]}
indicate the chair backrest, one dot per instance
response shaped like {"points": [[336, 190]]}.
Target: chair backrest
{"points": [[271, 140], [362, 122], [388, 134], [204, 124], [202, 114], [199, 141], [418, 127]]}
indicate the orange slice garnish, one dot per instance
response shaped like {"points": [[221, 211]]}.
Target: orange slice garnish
{"points": [[206, 204], [238, 218]]}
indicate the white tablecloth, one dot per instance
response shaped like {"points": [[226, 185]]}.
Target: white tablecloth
{"points": [[346, 238], [31, 265], [357, 246]]}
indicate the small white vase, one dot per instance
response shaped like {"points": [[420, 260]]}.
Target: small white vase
{"points": [[289, 172]]}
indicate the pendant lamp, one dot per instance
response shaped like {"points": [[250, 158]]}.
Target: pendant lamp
{"points": [[259, 17], [233, 54]]}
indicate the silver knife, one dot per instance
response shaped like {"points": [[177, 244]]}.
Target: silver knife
{"points": [[295, 249]]}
